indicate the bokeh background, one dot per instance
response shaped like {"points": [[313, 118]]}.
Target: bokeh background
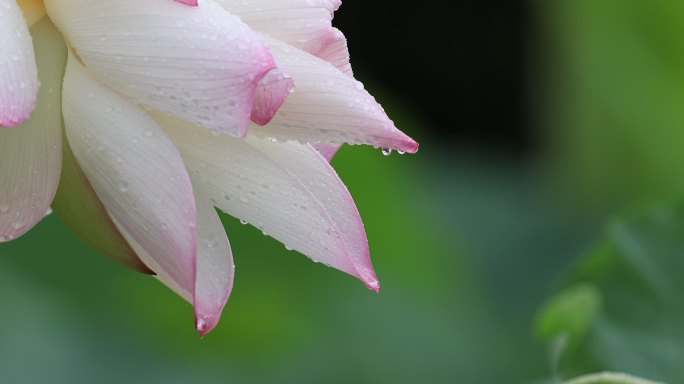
{"points": [[537, 235]]}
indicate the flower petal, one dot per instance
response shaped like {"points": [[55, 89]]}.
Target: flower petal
{"points": [[336, 53], [285, 189], [31, 155], [188, 2], [33, 10], [81, 210], [306, 164], [328, 151], [270, 95], [329, 106], [201, 64], [136, 172], [305, 24], [215, 269], [18, 73]]}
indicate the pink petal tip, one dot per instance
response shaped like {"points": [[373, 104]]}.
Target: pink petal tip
{"points": [[192, 3], [205, 324], [11, 122], [270, 94]]}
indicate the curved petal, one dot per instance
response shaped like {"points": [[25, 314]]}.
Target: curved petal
{"points": [[201, 64], [328, 151], [215, 268], [136, 172], [33, 10], [337, 53], [305, 24], [31, 155], [329, 106], [285, 189], [188, 2], [307, 165], [270, 95], [81, 210], [18, 73]]}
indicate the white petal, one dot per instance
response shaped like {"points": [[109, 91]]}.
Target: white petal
{"points": [[198, 63], [33, 10], [285, 189], [136, 172], [337, 53], [215, 268], [329, 106], [326, 150], [306, 164], [305, 24], [31, 155], [18, 74]]}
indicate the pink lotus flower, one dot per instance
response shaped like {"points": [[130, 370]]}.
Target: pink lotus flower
{"points": [[170, 109]]}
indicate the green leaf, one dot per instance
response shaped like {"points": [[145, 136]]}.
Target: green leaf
{"points": [[637, 272], [570, 313], [614, 94]]}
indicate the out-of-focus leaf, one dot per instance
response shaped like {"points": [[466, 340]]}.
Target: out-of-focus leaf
{"points": [[609, 378], [570, 313], [637, 271], [614, 77]]}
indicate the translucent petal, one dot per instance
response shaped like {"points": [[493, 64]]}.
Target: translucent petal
{"points": [[136, 172], [31, 155]]}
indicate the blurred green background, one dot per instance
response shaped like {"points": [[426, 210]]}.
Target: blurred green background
{"points": [[525, 257]]}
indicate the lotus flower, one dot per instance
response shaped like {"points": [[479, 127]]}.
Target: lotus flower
{"points": [[133, 119]]}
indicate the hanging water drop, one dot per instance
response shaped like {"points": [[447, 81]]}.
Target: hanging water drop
{"points": [[386, 151]]}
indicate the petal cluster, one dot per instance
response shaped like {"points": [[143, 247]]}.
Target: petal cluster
{"points": [[133, 120]]}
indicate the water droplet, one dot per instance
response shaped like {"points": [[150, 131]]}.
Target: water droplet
{"points": [[386, 151], [243, 222]]}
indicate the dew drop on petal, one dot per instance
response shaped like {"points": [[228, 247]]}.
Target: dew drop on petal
{"points": [[386, 151]]}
